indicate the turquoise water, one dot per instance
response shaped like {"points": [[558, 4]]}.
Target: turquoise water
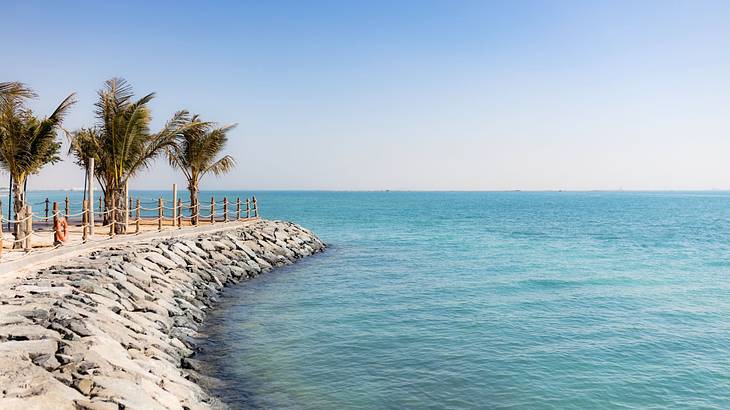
{"points": [[486, 300]]}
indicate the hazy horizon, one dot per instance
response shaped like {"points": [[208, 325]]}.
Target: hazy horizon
{"points": [[414, 96]]}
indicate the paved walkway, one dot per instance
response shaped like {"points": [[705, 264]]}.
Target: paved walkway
{"points": [[43, 250]]}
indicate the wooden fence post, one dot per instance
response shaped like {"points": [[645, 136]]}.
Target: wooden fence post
{"points": [[1, 233], [248, 208], [55, 223], [173, 219], [90, 180], [85, 219], [174, 201], [67, 208], [137, 217], [111, 215], [238, 208], [179, 212], [46, 209], [160, 214], [225, 209], [125, 215], [27, 227], [255, 208], [212, 210]]}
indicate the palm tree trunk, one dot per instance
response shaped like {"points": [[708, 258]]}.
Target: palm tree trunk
{"points": [[18, 205], [194, 208], [108, 205], [10, 201], [120, 208]]}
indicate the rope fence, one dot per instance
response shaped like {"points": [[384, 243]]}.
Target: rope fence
{"points": [[53, 226]]}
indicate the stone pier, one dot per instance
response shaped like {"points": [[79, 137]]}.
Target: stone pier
{"points": [[114, 328]]}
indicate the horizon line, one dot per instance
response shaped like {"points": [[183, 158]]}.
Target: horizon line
{"points": [[407, 190]]}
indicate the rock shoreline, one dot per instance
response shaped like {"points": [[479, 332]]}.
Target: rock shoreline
{"points": [[115, 329]]}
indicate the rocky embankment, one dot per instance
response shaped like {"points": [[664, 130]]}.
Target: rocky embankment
{"points": [[114, 329]]}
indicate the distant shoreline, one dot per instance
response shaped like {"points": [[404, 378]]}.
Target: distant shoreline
{"points": [[407, 190]]}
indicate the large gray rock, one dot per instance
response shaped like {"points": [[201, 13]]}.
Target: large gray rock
{"points": [[27, 386], [158, 259], [29, 348]]}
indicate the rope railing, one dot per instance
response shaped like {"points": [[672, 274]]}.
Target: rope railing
{"points": [[15, 221], [118, 220], [153, 201]]}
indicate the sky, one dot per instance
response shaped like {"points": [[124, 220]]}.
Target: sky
{"points": [[411, 95]]}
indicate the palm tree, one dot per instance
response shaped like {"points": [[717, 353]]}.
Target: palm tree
{"points": [[194, 153], [121, 142], [27, 143]]}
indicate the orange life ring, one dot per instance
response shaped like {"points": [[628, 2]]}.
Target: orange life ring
{"points": [[61, 230]]}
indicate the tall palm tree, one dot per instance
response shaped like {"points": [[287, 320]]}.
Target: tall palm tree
{"points": [[27, 143], [195, 153], [121, 142]]}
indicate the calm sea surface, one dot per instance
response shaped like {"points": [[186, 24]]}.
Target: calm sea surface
{"points": [[486, 300]]}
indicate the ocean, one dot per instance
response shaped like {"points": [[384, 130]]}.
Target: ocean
{"points": [[521, 300]]}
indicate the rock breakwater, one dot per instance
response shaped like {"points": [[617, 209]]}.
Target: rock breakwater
{"points": [[114, 329]]}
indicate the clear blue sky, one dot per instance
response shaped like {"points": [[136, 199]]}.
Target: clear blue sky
{"points": [[405, 94]]}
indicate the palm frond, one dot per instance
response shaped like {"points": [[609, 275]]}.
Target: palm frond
{"points": [[62, 109], [26, 142], [222, 166], [16, 89]]}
